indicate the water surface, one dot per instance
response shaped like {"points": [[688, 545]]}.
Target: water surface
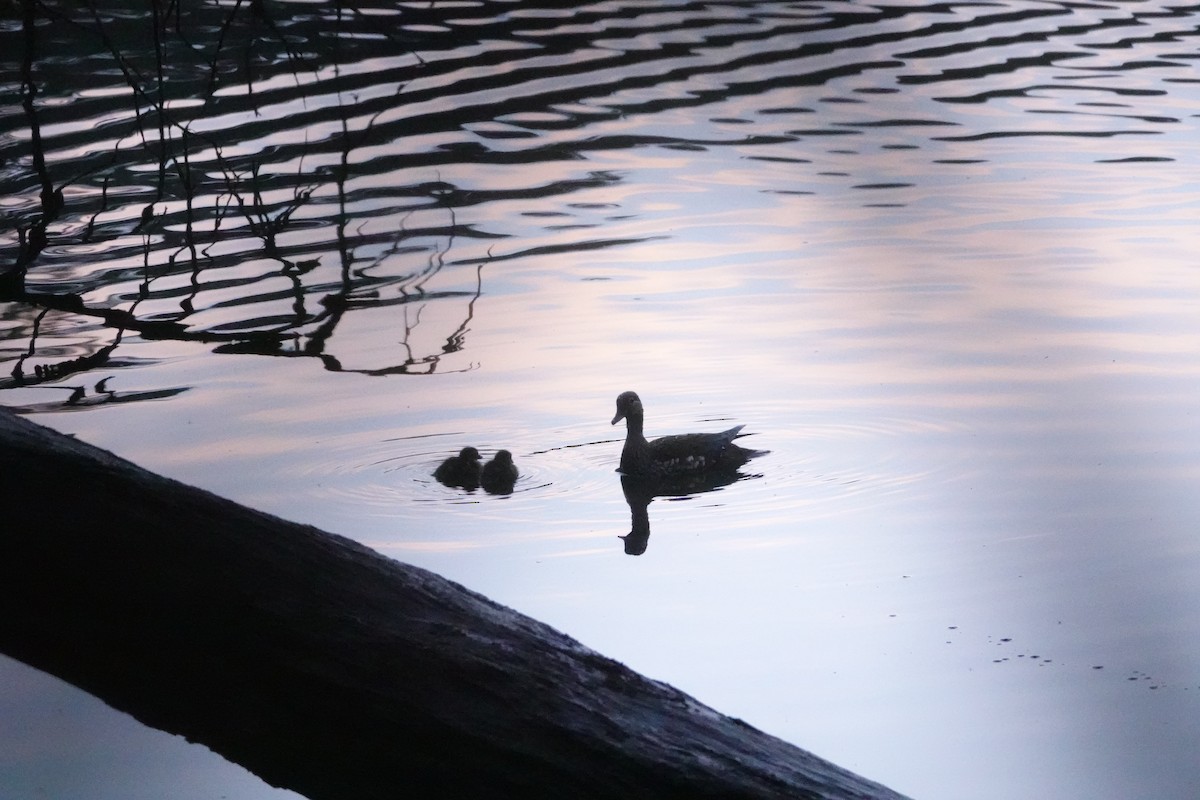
{"points": [[939, 260]]}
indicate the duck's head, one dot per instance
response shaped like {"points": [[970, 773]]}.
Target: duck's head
{"points": [[628, 405], [502, 457], [469, 454]]}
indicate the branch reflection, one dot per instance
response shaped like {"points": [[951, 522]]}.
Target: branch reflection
{"points": [[268, 194]]}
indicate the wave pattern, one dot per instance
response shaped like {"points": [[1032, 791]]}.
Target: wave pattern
{"points": [[261, 176]]}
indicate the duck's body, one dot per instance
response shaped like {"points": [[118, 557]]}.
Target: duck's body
{"points": [[461, 471], [682, 454], [499, 474]]}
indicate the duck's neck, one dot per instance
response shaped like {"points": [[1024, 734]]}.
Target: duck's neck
{"points": [[634, 453], [633, 428]]}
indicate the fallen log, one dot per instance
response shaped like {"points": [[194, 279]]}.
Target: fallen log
{"points": [[328, 669]]}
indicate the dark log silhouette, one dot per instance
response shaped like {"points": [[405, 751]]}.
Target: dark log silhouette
{"points": [[328, 669]]}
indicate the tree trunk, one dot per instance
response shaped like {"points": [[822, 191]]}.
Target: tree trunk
{"points": [[331, 670]]}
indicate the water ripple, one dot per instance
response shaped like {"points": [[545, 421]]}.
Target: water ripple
{"points": [[395, 472], [348, 165]]}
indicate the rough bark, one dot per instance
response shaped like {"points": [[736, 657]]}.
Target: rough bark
{"points": [[329, 669]]}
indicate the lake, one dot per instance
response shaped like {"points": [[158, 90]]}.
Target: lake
{"points": [[940, 260]]}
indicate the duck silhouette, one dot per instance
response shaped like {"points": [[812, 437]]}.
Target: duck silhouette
{"points": [[460, 471], [641, 492], [676, 455], [499, 474]]}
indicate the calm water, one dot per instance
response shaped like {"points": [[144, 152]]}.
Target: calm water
{"points": [[941, 260]]}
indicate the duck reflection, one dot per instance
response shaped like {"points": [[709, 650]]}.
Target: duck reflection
{"points": [[641, 491]]}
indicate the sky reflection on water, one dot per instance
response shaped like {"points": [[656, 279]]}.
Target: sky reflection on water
{"points": [[979, 487], [953, 297]]}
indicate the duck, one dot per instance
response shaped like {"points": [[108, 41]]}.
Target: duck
{"points": [[499, 474], [677, 455], [460, 471]]}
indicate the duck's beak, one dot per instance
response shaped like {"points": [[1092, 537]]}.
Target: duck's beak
{"points": [[620, 416]]}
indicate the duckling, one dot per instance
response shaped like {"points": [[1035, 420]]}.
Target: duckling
{"points": [[499, 474], [460, 471]]}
